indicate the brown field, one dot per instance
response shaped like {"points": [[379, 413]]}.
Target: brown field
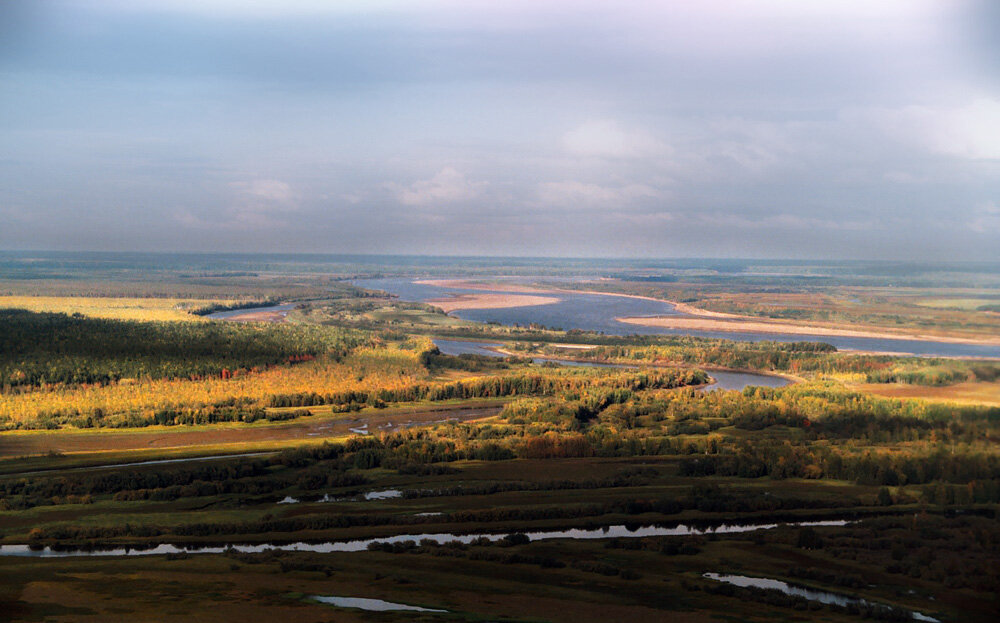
{"points": [[316, 428], [966, 393]]}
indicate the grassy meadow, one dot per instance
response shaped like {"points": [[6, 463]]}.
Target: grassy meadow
{"points": [[141, 309], [119, 413]]}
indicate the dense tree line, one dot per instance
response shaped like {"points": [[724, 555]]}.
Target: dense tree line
{"points": [[519, 384], [432, 358], [323, 467], [212, 308], [810, 358], [663, 506], [944, 443], [44, 348]]}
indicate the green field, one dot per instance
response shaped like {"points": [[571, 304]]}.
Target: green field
{"points": [[349, 397]]}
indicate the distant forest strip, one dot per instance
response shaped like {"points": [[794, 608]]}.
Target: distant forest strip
{"points": [[797, 432], [807, 358], [212, 308], [200, 288], [47, 348], [241, 397], [345, 387], [618, 383]]}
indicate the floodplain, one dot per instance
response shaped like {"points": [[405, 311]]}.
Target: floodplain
{"points": [[136, 422]]}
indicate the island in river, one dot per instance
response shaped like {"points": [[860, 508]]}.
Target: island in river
{"points": [[621, 314], [730, 322], [498, 300]]}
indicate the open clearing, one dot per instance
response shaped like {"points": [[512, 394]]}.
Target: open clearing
{"points": [[315, 428], [965, 393], [109, 307]]}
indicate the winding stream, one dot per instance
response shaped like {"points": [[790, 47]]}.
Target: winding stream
{"points": [[724, 379], [225, 315], [360, 545]]}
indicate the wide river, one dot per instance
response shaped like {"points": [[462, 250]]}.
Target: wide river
{"points": [[598, 312]]}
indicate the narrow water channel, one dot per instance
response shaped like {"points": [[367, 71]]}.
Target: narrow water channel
{"points": [[360, 545], [724, 379]]}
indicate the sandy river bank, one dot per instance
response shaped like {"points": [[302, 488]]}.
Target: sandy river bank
{"points": [[490, 301], [697, 319], [749, 325]]}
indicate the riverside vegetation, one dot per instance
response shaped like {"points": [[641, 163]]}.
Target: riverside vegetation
{"points": [[916, 481]]}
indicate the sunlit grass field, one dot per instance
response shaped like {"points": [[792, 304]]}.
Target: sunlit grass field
{"points": [[966, 304], [566, 467], [366, 369], [147, 309], [963, 393]]}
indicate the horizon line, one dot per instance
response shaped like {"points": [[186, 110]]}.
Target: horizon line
{"points": [[500, 257]]}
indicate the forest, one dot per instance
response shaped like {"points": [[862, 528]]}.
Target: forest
{"points": [[346, 421], [811, 359], [46, 348]]}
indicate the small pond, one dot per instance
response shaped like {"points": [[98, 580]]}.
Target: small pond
{"points": [[371, 605]]}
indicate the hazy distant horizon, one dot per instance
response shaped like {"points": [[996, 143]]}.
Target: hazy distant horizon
{"points": [[650, 262], [724, 128]]}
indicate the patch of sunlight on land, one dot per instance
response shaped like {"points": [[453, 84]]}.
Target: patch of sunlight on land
{"points": [[965, 304], [415, 317], [110, 307], [965, 393], [366, 369]]}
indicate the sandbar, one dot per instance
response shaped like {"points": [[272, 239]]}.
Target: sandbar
{"points": [[490, 301], [737, 324], [698, 319]]}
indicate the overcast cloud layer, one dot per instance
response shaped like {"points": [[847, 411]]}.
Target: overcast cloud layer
{"points": [[714, 128]]}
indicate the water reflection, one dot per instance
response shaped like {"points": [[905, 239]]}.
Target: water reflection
{"points": [[606, 532], [371, 605], [724, 379], [805, 593], [386, 494], [597, 312], [224, 315]]}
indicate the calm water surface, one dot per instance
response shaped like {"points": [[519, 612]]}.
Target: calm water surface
{"points": [[595, 312], [386, 494], [724, 379], [223, 315], [371, 605], [361, 545], [798, 591]]}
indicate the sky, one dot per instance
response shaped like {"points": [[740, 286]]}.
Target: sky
{"points": [[718, 128]]}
